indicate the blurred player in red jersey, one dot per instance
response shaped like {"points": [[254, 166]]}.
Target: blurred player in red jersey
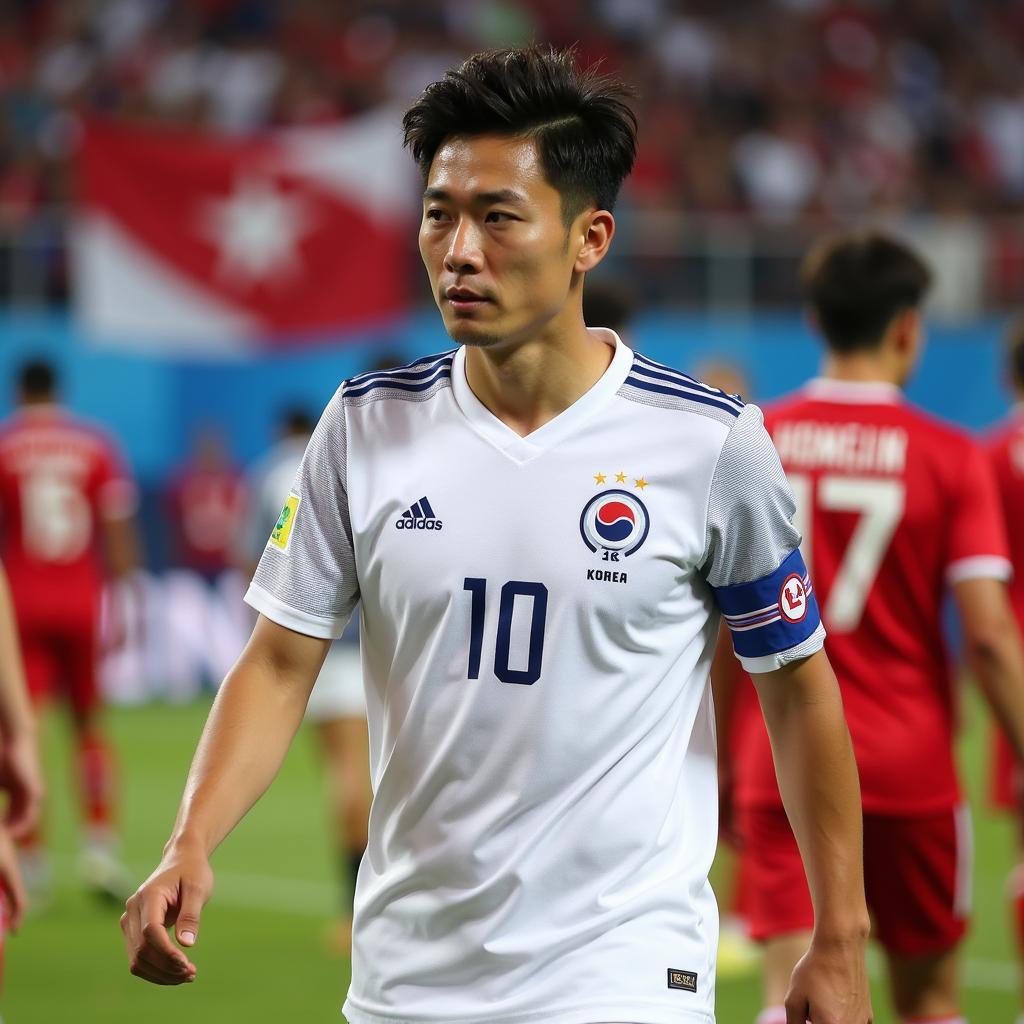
{"points": [[207, 502], [67, 506], [1006, 448], [896, 509]]}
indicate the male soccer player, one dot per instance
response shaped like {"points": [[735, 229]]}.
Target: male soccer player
{"points": [[541, 527], [1006, 449], [896, 509], [67, 506], [336, 706]]}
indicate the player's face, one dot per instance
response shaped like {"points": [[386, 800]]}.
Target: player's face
{"points": [[499, 255]]}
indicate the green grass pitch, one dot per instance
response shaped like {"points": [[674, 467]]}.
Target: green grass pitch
{"points": [[262, 955]]}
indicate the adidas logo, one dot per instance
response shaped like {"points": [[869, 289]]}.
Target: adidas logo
{"points": [[419, 516]]}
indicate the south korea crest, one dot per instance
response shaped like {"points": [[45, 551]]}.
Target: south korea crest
{"points": [[614, 521]]}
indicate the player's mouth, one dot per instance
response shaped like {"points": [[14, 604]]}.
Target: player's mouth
{"points": [[465, 300]]}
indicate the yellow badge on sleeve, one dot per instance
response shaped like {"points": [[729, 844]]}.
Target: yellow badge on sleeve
{"points": [[282, 533]]}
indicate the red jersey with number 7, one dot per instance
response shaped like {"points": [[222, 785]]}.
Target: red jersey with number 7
{"points": [[58, 477], [894, 506]]}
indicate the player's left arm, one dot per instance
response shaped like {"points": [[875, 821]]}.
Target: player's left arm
{"points": [[817, 777], [762, 588]]}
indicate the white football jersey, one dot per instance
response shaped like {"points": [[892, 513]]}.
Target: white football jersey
{"points": [[538, 618]]}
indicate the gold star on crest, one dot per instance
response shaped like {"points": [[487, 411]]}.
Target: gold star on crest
{"points": [[599, 478], [641, 483], [620, 478]]}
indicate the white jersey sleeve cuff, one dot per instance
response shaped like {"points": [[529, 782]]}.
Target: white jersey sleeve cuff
{"points": [[322, 626], [770, 662], [981, 567]]}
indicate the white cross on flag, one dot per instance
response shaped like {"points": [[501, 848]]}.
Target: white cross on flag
{"points": [[198, 241]]}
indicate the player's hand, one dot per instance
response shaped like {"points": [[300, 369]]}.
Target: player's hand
{"points": [[174, 894], [21, 775], [10, 881], [830, 985]]}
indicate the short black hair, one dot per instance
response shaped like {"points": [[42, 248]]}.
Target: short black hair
{"points": [[37, 379], [856, 283], [1015, 350], [584, 129]]}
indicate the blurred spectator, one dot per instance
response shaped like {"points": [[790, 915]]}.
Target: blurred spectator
{"points": [[206, 507], [792, 111]]}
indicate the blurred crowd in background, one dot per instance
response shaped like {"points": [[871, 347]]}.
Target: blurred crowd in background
{"points": [[762, 123], [789, 112]]}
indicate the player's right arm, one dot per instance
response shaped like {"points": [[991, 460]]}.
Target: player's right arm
{"points": [[253, 720], [21, 773]]}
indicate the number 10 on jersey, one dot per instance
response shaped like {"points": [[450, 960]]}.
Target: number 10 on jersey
{"points": [[537, 594]]}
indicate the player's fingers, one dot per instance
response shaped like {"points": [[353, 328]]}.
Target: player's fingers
{"points": [[128, 930], [157, 949], [797, 1010], [16, 898], [148, 971], [152, 962], [191, 901], [22, 812], [153, 935]]}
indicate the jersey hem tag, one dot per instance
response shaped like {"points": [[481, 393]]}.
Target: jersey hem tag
{"points": [[685, 980]]}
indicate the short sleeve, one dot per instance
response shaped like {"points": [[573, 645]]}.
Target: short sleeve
{"points": [[978, 548], [752, 561], [306, 577]]}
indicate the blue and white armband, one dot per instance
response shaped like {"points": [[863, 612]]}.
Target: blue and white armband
{"points": [[773, 620]]}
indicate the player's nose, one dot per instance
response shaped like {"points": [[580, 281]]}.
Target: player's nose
{"points": [[464, 251]]}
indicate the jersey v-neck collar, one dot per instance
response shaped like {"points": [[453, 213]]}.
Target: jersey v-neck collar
{"points": [[522, 449], [853, 392]]}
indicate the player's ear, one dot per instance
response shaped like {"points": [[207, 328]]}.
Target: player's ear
{"points": [[591, 233]]}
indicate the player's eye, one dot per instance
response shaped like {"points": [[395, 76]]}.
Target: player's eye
{"points": [[498, 217], [434, 214]]}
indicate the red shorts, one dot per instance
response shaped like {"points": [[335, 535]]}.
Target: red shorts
{"points": [[917, 877], [60, 660]]}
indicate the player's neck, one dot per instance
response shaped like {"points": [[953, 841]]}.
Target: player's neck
{"points": [[860, 367], [528, 384]]}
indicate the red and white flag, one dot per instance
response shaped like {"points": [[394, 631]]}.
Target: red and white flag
{"points": [[200, 241]]}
